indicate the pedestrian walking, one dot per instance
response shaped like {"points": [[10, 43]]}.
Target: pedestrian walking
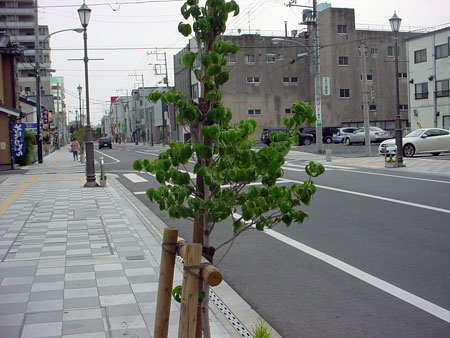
{"points": [[75, 148]]}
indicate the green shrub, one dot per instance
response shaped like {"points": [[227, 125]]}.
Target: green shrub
{"points": [[29, 148]]}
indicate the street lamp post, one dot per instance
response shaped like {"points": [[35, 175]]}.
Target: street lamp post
{"points": [[79, 89], [317, 93], [84, 13], [395, 22], [38, 61]]}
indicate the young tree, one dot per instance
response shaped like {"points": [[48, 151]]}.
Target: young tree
{"points": [[225, 159]]}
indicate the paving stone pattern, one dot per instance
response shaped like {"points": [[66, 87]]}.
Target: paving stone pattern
{"points": [[77, 262]]}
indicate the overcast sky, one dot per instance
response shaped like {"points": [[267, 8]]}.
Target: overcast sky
{"points": [[132, 35]]}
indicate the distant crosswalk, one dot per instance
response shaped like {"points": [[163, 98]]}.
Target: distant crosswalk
{"points": [[142, 177]]}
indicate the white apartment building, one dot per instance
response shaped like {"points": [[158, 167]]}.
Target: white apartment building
{"points": [[428, 74]]}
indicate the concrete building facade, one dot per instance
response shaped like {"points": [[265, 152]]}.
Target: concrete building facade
{"points": [[429, 74], [17, 20], [265, 79]]}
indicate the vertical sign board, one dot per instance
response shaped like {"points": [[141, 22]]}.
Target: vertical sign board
{"points": [[318, 113], [17, 132], [326, 85]]}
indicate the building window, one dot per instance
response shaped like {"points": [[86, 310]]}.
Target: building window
{"points": [[390, 51], [421, 91], [253, 79], [342, 29], [372, 107], [290, 79], [441, 51], [374, 51], [403, 107], [254, 112], [446, 122], [402, 75], [369, 77], [249, 58], [27, 89], [270, 58], [288, 111], [420, 56], [343, 60], [231, 58], [280, 57], [344, 93], [442, 88]]}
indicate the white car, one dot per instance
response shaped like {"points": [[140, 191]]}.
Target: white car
{"points": [[358, 136], [420, 141]]}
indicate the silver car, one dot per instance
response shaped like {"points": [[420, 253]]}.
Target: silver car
{"points": [[419, 141], [358, 136], [340, 134]]}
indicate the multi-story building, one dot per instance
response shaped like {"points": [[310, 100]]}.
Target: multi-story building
{"points": [[17, 20], [429, 74], [59, 116], [266, 78]]}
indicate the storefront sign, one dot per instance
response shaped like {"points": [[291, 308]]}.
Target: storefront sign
{"points": [[17, 131]]}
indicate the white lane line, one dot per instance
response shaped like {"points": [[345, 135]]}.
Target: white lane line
{"points": [[397, 176], [115, 159], [139, 193], [147, 153], [387, 199], [135, 178], [395, 291]]}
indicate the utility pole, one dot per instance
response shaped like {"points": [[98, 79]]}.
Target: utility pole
{"points": [[317, 85], [57, 114], [38, 81], [365, 97], [313, 20], [158, 54]]}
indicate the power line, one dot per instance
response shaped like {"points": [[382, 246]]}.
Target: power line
{"points": [[110, 5]]}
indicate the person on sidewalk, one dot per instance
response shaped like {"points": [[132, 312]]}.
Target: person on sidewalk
{"points": [[75, 148]]}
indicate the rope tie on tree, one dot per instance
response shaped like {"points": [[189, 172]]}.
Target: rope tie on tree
{"points": [[164, 244], [201, 267]]}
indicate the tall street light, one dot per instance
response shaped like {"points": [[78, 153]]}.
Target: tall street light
{"points": [[38, 60], [395, 22], [84, 13], [317, 93], [79, 89]]}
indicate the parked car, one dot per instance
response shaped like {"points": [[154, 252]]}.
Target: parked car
{"points": [[105, 142], [327, 133], [303, 138], [420, 141], [358, 136], [341, 133]]}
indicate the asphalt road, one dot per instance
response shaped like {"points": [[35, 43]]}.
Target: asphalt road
{"points": [[373, 259]]}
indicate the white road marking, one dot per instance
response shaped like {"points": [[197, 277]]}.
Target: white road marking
{"points": [[387, 199], [140, 192], [135, 178], [393, 290], [397, 176], [115, 159]]}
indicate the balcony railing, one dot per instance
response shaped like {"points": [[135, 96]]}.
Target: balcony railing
{"points": [[420, 96], [442, 93]]}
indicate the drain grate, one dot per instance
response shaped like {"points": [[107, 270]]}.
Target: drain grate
{"points": [[135, 258]]}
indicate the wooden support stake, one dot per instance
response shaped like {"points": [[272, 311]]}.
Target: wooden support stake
{"points": [[189, 295], [210, 274], [168, 254]]}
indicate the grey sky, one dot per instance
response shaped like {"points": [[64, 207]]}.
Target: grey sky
{"points": [[125, 32]]}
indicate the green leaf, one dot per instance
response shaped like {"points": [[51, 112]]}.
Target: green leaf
{"points": [[154, 96], [184, 29], [137, 165], [189, 59], [176, 293]]}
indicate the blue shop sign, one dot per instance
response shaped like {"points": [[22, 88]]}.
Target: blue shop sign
{"points": [[17, 131], [31, 127]]}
